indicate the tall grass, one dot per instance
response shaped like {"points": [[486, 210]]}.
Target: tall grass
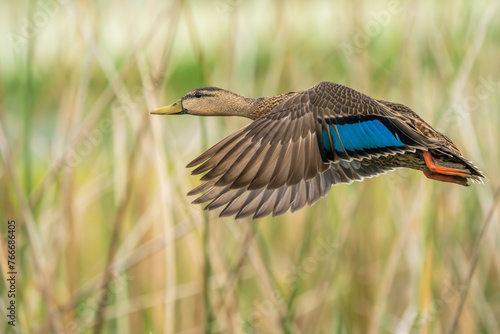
{"points": [[107, 240]]}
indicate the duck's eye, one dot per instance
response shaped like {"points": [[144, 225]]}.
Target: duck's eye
{"points": [[198, 94]]}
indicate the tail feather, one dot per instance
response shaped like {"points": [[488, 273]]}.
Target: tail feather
{"points": [[448, 158]]}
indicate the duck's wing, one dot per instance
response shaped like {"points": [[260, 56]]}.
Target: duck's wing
{"points": [[316, 131], [411, 117], [261, 202]]}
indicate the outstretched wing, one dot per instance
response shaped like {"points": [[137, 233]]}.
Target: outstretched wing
{"points": [[261, 202], [315, 139]]}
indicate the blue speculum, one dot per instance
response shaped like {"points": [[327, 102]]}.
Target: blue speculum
{"points": [[362, 135]]}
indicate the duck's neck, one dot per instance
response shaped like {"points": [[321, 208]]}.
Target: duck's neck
{"points": [[263, 105]]}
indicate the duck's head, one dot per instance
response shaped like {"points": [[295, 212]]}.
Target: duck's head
{"points": [[209, 101]]}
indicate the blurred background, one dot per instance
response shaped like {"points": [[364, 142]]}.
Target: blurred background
{"points": [[107, 240]]}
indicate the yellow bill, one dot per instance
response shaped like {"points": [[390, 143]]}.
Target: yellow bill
{"points": [[174, 108]]}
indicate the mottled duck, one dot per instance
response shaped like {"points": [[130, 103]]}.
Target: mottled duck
{"points": [[301, 143]]}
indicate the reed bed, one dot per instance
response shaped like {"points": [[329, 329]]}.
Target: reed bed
{"points": [[108, 242]]}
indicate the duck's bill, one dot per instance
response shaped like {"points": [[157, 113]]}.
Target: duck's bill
{"points": [[173, 109]]}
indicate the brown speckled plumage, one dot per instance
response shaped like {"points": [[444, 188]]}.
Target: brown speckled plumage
{"points": [[302, 143], [264, 105]]}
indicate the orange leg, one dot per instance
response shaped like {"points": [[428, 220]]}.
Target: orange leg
{"points": [[445, 178], [429, 161]]}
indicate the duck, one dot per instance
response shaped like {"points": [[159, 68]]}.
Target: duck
{"points": [[300, 144]]}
